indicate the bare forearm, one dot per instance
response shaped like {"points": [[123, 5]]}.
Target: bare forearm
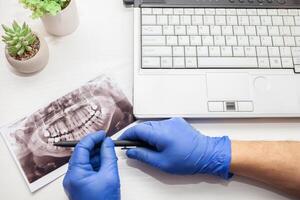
{"points": [[274, 163]]}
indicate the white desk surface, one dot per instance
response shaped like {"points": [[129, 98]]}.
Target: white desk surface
{"points": [[103, 43]]}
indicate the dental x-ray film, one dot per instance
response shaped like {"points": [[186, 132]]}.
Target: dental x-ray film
{"points": [[98, 105]]}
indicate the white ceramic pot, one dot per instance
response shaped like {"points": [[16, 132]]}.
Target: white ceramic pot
{"points": [[34, 64], [64, 23]]}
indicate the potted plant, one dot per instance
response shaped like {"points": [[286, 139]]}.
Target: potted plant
{"points": [[60, 17], [27, 52]]}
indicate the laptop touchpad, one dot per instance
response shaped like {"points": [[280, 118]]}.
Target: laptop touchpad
{"points": [[228, 86]]}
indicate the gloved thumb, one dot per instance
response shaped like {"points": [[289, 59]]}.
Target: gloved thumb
{"points": [[108, 155], [145, 155]]}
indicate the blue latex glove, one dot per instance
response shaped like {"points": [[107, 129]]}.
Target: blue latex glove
{"points": [[93, 173], [179, 149]]}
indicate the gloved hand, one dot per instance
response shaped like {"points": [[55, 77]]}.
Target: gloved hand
{"points": [[93, 173], [180, 149]]}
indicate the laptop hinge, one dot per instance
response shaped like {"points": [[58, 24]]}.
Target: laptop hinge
{"points": [[139, 3], [278, 4]]}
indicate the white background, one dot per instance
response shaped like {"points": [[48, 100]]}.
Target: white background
{"points": [[103, 43]]}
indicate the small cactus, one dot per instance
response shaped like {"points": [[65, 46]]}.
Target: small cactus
{"points": [[20, 40]]}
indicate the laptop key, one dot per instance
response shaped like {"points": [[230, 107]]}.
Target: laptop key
{"points": [[157, 51], [226, 51], [227, 62], [153, 40], [151, 30], [202, 51], [275, 62], [178, 62], [263, 62], [149, 19], [191, 62], [295, 30], [166, 62], [178, 51], [296, 51], [147, 10], [162, 20], [287, 63], [297, 61], [150, 62]]}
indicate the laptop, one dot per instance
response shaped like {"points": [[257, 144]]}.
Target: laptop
{"points": [[216, 59]]}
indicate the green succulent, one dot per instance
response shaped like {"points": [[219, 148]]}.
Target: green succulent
{"points": [[19, 39], [40, 8]]}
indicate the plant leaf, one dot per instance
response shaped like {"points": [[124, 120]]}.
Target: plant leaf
{"points": [[18, 45], [16, 26], [28, 48], [5, 28], [6, 37], [21, 51], [40, 8]]}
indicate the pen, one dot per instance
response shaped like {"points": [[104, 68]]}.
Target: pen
{"points": [[118, 143]]}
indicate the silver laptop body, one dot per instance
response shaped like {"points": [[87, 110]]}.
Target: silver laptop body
{"points": [[221, 59]]}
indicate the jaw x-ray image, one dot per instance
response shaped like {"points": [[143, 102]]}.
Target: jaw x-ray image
{"points": [[98, 105]]}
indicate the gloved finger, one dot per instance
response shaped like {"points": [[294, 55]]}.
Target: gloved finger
{"points": [[95, 161], [145, 155], [95, 152], [108, 156], [83, 149], [143, 132]]}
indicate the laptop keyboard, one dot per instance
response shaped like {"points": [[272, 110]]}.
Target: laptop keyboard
{"points": [[207, 38]]}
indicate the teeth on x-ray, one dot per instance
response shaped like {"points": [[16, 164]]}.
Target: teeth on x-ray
{"points": [[85, 119]]}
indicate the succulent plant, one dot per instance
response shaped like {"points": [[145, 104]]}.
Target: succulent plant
{"points": [[41, 7], [19, 39]]}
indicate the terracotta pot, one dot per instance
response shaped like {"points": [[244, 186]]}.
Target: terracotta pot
{"points": [[64, 23], [34, 64]]}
